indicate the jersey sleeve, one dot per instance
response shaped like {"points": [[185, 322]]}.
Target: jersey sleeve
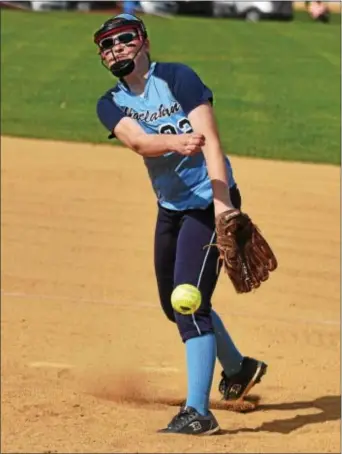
{"points": [[109, 113], [186, 86]]}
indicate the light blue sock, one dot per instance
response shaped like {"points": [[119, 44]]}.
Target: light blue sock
{"points": [[200, 357], [227, 353]]}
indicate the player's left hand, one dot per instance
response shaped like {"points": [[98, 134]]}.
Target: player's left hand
{"points": [[247, 257]]}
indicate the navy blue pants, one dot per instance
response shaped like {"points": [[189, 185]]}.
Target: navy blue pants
{"points": [[180, 257]]}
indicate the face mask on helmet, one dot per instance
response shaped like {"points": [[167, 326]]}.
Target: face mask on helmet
{"points": [[123, 31], [129, 38]]}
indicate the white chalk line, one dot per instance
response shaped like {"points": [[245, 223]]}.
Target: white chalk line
{"points": [[50, 365], [144, 304], [67, 366]]}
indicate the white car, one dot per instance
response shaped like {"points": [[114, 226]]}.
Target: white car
{"points": [[251, 11], [66, 5], [48, 6], [160, 8]]}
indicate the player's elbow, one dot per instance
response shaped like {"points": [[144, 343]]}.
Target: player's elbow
{"points": [[139, 144], [133, 141], [131, 135]]}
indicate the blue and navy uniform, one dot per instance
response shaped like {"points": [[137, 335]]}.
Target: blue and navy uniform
{"points": [[186, 221], [172, 91]]}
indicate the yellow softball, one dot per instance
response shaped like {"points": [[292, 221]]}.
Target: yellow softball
{"points": [[186, 299]]}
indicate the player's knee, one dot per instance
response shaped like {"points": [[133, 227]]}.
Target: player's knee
{"points": [[195, 325]]}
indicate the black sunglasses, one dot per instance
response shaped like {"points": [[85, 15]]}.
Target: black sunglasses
{"points": [[123, 38]]}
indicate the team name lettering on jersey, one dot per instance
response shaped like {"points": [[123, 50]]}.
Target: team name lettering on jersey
{"points": [[153, 116]]}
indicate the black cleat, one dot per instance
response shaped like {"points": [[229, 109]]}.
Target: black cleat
{"points": [[189, 422], [238, 386]]}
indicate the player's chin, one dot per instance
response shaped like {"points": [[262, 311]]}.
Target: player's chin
{"points": [[125, 57]]}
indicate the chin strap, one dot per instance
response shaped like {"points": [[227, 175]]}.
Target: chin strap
{"points": [[125, 67]]}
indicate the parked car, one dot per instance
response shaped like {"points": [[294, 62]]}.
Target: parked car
{"points": [[159, 8], [47, 6], [61, 5], [251, 11], [91, 6]]}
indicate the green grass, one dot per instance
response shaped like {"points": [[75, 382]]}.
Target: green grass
{"points": [[276, 85]]}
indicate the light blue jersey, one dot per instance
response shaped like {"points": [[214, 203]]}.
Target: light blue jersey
{"points": [[172, 91]]}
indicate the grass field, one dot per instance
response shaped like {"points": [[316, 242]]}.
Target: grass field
{"points": [[277, 85]]}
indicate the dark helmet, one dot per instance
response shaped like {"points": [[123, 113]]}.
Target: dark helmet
{"points": [[117, 23], [114, 25]]}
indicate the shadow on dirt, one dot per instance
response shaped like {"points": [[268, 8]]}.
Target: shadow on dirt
{"points": [[329, 406]]}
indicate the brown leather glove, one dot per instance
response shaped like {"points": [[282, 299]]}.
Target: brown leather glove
{"points": [[247, 257]]}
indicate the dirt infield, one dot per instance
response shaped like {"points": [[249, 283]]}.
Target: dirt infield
{"points": [[90, 364]]}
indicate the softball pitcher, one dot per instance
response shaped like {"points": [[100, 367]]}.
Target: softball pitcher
{"points": [[163, 112]]}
